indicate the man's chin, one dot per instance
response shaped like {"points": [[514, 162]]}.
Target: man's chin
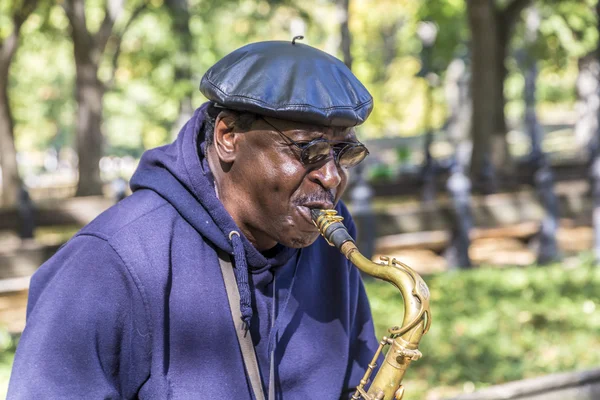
{"points": [[300, 240]]}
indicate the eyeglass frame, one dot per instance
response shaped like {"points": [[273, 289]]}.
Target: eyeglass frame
{"points": [[336, 153]]}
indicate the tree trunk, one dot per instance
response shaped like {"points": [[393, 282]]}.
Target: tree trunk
{"points": [[530, 71], [532, 125], [343, 7], [459, 187], [485, 65], [588, 102], [457, 92], [88, 50], [491, 30], [543, 177], [11, 182], [594, 171], [180, 13], [458, 98], [388, 36], [500, 154], [428, 170], [90, 92]]}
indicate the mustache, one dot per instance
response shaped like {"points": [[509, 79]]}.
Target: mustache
{"points": [[323, 197]]}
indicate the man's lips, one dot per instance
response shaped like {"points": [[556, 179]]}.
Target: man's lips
{"points": [[304, 211], [321, 205]]}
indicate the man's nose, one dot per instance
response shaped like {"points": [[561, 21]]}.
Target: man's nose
{"points": [[328, 175]]}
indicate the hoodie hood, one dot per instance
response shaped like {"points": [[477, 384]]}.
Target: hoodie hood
{"points": [[179, 172]]}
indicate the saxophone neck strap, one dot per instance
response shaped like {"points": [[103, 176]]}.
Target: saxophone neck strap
{"points": [[243, 335]]}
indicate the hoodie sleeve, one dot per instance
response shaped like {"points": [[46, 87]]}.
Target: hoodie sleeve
{"points": [[86, 334]]}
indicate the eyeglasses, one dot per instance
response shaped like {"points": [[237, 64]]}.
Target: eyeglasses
{"points": [[345, 154]]}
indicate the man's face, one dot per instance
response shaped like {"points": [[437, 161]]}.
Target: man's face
{"points": [[272, 191]]}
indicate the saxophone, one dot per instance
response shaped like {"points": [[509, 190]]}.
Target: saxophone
{"points": [[404, 340]]}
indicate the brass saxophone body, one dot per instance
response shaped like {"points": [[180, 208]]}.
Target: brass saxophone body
{"points": [[404, 340]]}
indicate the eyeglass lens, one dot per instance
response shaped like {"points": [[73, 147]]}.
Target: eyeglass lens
{"points": [[347, 155]]}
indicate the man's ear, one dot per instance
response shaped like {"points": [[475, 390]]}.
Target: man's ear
{"points": [[225, 138]]}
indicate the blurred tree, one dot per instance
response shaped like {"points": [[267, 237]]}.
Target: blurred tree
{"points": [[588, 102], [41, 87], [427, 32], [19, 11], [570, 32], [567, 30], [594, 171], [385, 51], [459, 187], [142, 107], [543, 178], [196, 25], [451, 42], [180, 16], [565, 53], [343, 8], [491, 24], [164, 55], [458, 100], [89, 48]]}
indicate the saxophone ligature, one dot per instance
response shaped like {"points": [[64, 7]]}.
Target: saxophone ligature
{"points": [[403, 340]]}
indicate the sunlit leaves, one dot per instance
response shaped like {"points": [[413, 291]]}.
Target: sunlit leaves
{"points": [[155, 136], [11, 12], [94, 14], [387, 58], [568, 30], [58, 19], [450, 17], [41, 85]]}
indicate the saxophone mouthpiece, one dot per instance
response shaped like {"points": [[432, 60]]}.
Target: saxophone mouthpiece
{"points": [[331, 227], [315, 213]]}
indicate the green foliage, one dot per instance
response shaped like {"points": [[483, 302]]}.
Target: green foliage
{"points": [[41, 83], [568, 30], [387, 59], [381, 173], [8, 345], [557, 86], [6, 25], [403, 154], [142, 105], [450, 17], [491, 326]]}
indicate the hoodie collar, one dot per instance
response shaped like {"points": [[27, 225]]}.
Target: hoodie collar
{"points": [[179, 173]]}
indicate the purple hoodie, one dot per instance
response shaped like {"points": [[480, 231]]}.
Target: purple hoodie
{"points": [[134, 305]]}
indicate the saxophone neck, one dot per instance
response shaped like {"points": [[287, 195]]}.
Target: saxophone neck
{"points": [[413, 288]]}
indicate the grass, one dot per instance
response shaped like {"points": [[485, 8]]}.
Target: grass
{"points": [[492, 326], [8, 345]]}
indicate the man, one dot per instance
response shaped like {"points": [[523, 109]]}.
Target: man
{"points": [[137, 304]]}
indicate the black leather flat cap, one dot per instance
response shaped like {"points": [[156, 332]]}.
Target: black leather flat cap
{"points": [[290, 81]]}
